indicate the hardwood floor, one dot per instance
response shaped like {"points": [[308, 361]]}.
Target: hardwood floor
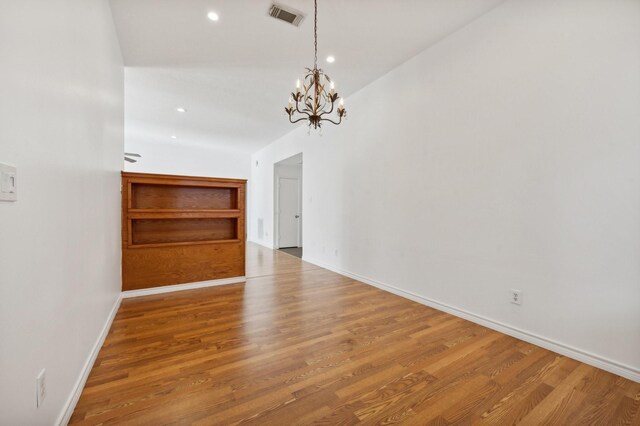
{"points": [[298, 344]]}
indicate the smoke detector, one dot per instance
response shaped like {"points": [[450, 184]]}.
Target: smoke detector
{"points": [[286, 14]]}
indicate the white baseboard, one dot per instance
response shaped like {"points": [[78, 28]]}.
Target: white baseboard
{"points": [[180, 287], [609, 365], [65, 416]]}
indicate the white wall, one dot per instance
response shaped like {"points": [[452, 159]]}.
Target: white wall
{"points": [[506, 156], [192, 160], [61, 124]]}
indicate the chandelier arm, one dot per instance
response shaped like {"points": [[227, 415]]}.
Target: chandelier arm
{"points": [[331, 121], [295, 96], [330, 111], [304, 111], [298, 120], [321, 108], [298, 107], [327, 112]]}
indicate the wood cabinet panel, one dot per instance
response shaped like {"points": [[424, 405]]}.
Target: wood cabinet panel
{"points": [[160, 266], [181, 229]]}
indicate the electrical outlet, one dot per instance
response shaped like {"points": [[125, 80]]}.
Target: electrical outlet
{"points": [[41, 388], [516, 297]]}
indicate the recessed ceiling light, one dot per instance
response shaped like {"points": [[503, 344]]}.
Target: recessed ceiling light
{"points": [[331, 59], [213, 16], [181, 109], [174, 137]]}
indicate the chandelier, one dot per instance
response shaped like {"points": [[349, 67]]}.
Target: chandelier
{"points": [[312, 100]]}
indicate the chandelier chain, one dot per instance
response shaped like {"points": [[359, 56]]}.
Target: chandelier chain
{"points": [[315, 34]]}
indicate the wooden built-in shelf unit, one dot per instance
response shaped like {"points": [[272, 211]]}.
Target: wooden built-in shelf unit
{"points": [[181, 229]]}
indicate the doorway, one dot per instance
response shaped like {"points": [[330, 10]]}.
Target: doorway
{"points": [[288, 205]]}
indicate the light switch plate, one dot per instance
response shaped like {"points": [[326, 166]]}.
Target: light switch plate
{"points": [[41, 388], [8, 183]]}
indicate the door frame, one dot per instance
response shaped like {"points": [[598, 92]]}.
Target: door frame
{"points": [[277, 211]]}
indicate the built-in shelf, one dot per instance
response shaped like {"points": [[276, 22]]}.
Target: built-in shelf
{"points": [[182, 214], [188, 243], [168, 211], [182, 197], [179, 229]]}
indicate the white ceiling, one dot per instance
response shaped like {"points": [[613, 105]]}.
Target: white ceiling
{"points": [[234, 76]]}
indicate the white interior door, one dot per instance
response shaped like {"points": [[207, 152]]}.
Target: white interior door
{"points": [[289, 212]]}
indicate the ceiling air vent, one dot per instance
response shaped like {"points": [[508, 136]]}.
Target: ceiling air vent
{"points": [[286, 14]]}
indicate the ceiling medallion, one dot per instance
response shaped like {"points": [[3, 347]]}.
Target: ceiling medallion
{"points": [[311, 100]]}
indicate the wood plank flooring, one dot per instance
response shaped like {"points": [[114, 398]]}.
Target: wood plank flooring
{"points": [[298, 345]]}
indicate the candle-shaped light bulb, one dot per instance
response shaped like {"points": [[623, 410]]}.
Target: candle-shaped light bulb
{"points": [[333, 86], [298, 86], [290, 101], [341, 103]]}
